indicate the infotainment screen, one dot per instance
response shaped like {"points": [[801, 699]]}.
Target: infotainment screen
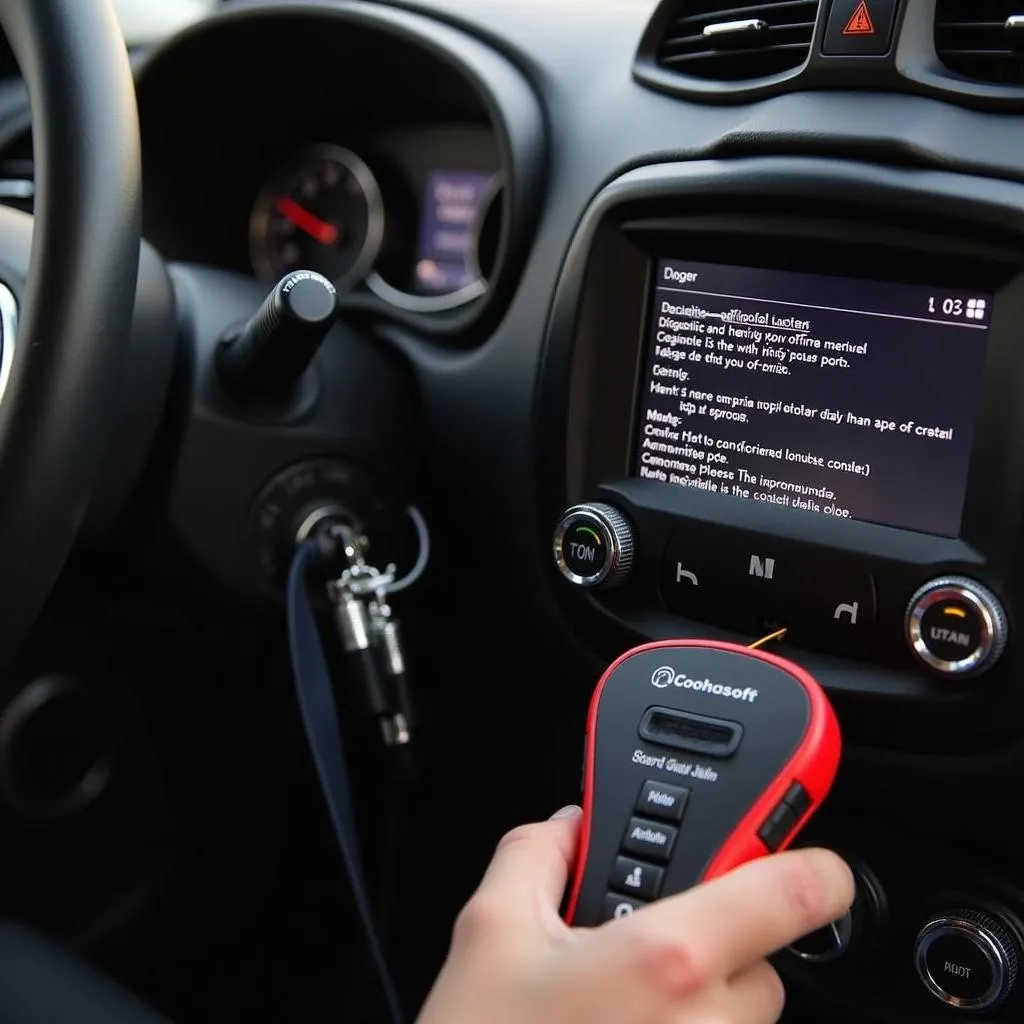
{"points": [[846, 397]]}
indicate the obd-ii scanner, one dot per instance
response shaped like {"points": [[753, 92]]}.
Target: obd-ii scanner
{"points": [[700, 756]]}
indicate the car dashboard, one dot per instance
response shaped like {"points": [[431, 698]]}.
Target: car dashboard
{"points": [[711, 312]]}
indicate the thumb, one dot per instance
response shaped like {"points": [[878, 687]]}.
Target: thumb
{"points": [[531, 865]]}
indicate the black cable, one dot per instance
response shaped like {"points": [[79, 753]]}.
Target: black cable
{"points": [[320, 719]]}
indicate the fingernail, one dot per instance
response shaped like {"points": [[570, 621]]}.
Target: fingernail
{"points": [[571, 811]]}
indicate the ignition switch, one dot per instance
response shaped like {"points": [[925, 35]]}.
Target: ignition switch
{"points": [[303, 497]]}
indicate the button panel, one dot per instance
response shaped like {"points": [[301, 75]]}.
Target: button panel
{"points": [[751, 583], [638, 874]]}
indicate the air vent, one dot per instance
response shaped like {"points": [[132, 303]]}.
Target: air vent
{"points": [[982, 39], [733, 41]]}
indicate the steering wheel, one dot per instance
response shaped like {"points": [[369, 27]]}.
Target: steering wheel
{"points": [[56, 410]]}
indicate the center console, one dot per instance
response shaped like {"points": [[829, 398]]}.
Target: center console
{"points": [[784, 393], [787, 392]]}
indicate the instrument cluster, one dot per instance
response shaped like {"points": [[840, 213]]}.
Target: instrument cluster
{"points": [[413, 216]]}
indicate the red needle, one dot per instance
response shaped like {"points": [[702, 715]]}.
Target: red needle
{"points": [[324, 233]]}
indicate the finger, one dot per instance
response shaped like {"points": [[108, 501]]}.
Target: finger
{"points": [[531, 865], [734, 921], [755, 996]]}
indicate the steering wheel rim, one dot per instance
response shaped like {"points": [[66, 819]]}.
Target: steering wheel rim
{"points": [[57, 409]]}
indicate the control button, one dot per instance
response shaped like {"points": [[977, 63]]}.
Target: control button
{"points": [[967, 959], [828, 943], [780, 823], [956, 626], [859, 28], [616, 906], [660, 801], [688, 568], [704, 577], [637, 878], [835, 610], [723, 577], [690, 583], [761, 567], [778, 827], [798, 799], [857, 927], [594, 545], [650, 840]]}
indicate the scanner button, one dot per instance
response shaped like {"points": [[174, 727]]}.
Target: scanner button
{"points": [[616, 906], [637, 878], [798, 799], [660, 801], [650, 840], [778, 827]]}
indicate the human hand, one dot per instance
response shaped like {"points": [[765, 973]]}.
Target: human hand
{"points": [[695, 958]]}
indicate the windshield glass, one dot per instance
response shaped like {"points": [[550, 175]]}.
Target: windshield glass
{"points": [[146, 21]]}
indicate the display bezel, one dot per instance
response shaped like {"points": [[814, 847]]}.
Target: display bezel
{"points": [[840, 248]]}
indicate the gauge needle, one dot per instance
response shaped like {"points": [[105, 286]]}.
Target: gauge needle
{"points": [[324, 233]]}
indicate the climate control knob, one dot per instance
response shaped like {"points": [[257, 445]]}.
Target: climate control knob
{"points": [[594, 545], [956, 627], [967, 959]]}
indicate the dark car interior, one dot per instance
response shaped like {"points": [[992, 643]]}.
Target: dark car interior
{"points": [[561, 327]]}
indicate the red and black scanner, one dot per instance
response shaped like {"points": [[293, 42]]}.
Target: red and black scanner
{"points": [[700, 756]]}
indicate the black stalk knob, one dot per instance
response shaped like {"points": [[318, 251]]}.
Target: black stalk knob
{"points": [[268, 357]]}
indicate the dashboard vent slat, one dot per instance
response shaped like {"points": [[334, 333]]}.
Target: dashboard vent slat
{"points": [[736, 40], [976, 39], [690, 59], [725, 11]]}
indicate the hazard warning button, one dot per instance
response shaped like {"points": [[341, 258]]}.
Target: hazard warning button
{"points": [[860, 28]]}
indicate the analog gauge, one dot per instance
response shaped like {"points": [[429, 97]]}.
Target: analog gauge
{"points": [[322, 212]]}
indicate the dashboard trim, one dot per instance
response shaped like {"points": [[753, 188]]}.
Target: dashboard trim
{"points": [[424, 303]]}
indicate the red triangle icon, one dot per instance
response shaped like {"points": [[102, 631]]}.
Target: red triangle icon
{"points": [[860, 24]]}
